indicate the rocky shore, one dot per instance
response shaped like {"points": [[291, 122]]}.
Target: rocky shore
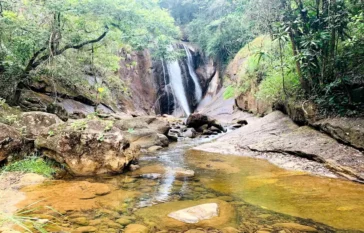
{"points": [[278, 139]]}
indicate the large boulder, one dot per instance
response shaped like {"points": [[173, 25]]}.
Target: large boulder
{"points": [[10, 141], [146, 138], [197, 120], [145, 132], [35, 123], [155, 124], [88, 147]]}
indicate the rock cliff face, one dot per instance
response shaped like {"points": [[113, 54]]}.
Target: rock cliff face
{"points": [[146, 87], [199, 65], [136, 69]]}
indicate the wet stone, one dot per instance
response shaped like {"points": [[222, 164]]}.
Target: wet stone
{"points": [[83, 221], [85, 229], [124, 221], [196, 214], [136, 228]]}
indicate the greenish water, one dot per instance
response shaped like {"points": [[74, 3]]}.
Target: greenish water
{"points": [[253, 195]]}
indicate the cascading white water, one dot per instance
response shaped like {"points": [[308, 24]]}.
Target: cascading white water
{"points": [[175, 76], [165, 84], [198, 90]]}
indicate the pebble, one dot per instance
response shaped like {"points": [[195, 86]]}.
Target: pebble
{"points": [[124, 221], [83, 221], [85, 229]]}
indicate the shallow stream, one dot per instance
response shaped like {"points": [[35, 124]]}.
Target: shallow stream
{"points": [[253, 196]]}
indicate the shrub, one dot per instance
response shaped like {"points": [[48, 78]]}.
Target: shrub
{"points": [[32, 164]]}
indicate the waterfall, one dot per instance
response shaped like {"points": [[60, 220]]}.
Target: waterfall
{"points": [[191, 69], [165, 84], [175, 76]]}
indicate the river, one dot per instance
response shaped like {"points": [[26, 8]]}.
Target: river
{"points": [[253, 195]]}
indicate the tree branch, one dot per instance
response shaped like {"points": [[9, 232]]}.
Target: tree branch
{"points": [[31, 61], [44, 58]]}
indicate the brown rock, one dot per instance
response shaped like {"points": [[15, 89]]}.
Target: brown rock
{"points": [[230, 230], [136, 228], [37, 123], [85, 229], [83, 221], [88, 147], [10, 141], [195, 231]]}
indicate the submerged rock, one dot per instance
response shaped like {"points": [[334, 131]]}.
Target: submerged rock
{"points": [[10, 141], [181, 173], [88, 147], [154, 149], [136, 228], [295, 227], [196, 214], [86, 229], [225, 214]]}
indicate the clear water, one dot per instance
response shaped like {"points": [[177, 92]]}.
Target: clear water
{"points": [[257, 195]]}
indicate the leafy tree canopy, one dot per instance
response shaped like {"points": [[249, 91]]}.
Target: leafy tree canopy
{"points": [[34, 32]]}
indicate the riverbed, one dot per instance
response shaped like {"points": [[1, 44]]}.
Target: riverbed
{"points": [[253, 195]]}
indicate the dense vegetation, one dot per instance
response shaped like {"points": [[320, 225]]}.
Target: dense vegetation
{"points": [[59, 39], [316, 53]]}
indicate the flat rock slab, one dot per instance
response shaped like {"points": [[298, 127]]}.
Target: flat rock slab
{"points": [[276, 134], [196, 214]]}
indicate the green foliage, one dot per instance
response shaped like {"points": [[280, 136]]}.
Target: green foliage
{"points": [[50, 133], [109, 125], [317, 55], [101, 137], [229, 92], [79, 125], [32, 164], [271, 88], [219, 27], [60, 37], [28, 224]]}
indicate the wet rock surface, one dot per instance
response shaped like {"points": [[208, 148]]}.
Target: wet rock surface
{"points": [[10, 185]]}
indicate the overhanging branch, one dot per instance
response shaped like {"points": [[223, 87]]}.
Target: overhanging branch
{"points": [[34, 64]]}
